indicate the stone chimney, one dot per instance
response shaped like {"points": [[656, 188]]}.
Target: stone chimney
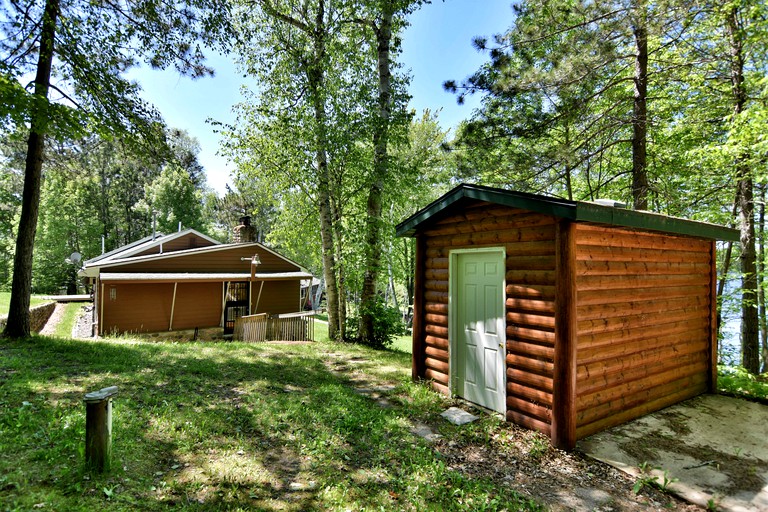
{"points": [[244, 233]]}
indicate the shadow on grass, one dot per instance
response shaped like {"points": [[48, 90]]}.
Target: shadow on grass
{"points": [[212, 426]]}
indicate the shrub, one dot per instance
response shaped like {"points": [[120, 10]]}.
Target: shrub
{"points": [[387, 323]]}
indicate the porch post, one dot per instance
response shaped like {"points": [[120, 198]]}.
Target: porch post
{"points": [[173, 306]]}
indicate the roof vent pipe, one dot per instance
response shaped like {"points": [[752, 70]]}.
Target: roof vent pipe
{"points": [[610, 202]]}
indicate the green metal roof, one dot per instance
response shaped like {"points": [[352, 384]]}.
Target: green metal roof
{"points": [[574, 210]]}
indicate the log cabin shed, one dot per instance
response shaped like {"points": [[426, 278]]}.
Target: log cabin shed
{"points": [[567, 317], [187, 280]]}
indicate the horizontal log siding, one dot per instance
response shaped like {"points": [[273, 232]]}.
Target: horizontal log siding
{"points": [[643, 323], [531, 328], [434, 319], [530, 302]]}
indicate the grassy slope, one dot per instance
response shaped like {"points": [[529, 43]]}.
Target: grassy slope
{"points": [[67, 321], [5, 302], [225, 426]]}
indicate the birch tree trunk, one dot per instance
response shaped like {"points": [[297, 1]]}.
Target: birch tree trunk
{"points": [[761, 311], [383, 33], [325, 210]]}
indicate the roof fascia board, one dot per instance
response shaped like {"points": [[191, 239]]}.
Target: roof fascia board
{"points": [[199, 250], [169, 238], [556, 207], [572, 210], [122, 248], [652, 221], [121, 277]]}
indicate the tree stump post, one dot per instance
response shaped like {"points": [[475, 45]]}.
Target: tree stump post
{"points": [[98, 428]]}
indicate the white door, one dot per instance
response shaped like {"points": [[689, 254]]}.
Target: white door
{"points": [[478, 303]]}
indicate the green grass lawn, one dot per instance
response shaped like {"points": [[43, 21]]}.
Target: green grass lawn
{"points": [[403, 344], [400, 343], [5, 302], [64, 327], [229, 426], [734, 380]]}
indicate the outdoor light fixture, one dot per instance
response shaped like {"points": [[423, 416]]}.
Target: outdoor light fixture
{"points": [[255, 260]]}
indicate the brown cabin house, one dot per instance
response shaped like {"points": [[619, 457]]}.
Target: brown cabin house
{"points": [[187, 280], [567, 317]]}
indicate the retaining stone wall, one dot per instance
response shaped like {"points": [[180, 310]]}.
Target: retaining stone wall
{"points": [[38, 316]]}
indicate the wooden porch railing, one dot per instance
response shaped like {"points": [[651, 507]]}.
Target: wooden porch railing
{"points": [[287, 327]]}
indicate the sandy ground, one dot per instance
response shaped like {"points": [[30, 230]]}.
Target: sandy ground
{"points": [[54, 319]]}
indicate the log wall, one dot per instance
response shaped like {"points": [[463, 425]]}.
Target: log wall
{"points": [[529, 240], [643, 323]]}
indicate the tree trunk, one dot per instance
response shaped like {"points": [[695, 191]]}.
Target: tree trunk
{"points": [[341, 310], [21, 287], [761, 312], [380, 171], [315, 80], [750, 342], [640, 111], [568, 167]]}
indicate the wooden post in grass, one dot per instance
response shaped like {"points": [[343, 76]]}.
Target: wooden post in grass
{"points": [[98, 428]]}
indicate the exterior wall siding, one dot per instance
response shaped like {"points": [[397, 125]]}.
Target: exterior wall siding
{"points": [[277, 297], [190, 241], [226, 260], [529, 241], [146, 307], [130, 307], [197, 305], [643, 323]]}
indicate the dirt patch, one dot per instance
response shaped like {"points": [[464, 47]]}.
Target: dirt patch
{"points": [[54, 319], [710, 449], [742, 472], [521, 460]]}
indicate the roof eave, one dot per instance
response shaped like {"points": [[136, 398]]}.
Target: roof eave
{"points": [[556, 207], [651, 221], [564, 209]]}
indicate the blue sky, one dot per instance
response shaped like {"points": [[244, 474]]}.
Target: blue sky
{"points": [[436, 47]]}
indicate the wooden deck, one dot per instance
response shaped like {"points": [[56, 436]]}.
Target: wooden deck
{"points": [[69, 298]]}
